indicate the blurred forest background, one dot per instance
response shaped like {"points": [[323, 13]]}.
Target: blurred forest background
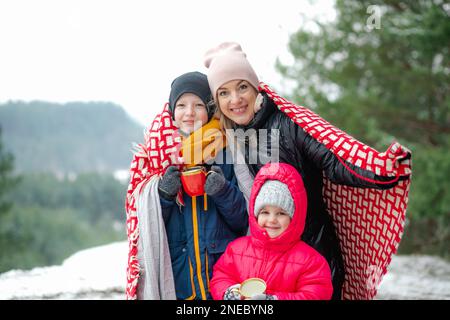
{"points": [[390, 82], [380, 73], [62, 188]]}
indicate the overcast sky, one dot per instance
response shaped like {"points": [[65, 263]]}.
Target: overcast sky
{"points": [[129, 51]]}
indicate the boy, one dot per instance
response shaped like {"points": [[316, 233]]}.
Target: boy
{"points": [[199, 231]]}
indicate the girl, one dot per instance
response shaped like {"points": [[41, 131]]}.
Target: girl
{"points": [[274, 252]]}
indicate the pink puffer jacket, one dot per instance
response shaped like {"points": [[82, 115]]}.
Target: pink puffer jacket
{"points": [[292, 269]]}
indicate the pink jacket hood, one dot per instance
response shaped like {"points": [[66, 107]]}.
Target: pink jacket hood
{"points": [[287, 174]]}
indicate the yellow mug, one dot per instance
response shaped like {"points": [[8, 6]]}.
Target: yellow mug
{"points": [[251, 287]]}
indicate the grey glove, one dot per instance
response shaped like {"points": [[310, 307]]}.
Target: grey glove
{"points": [[232, 293], [170, 183], [263, 296], [215, 181]]}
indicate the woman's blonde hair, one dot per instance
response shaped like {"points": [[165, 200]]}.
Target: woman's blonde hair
{"points": [[225, 122]]}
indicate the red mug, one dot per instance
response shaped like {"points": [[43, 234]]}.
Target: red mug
{"points": [[193, 181]]}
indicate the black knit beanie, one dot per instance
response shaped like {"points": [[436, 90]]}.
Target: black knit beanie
{"points": [[191, 82]]}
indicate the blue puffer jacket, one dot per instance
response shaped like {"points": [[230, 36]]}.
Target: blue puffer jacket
{"points": [[197, 238]]}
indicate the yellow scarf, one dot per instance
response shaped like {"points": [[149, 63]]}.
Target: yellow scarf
{"points": [[198, 148], [203, 144]]}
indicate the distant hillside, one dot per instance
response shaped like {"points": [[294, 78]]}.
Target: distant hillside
{"points": [[73, 137]]}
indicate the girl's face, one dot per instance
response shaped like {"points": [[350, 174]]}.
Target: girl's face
{"points": [[236, 100], [274, 220], [190, 113]]}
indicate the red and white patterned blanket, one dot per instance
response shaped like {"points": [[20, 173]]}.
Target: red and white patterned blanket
{"points": [[369, 222], [162, 141]]}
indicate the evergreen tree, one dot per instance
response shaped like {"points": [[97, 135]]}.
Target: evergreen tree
{"points": [[7, 181], [381, 72]]}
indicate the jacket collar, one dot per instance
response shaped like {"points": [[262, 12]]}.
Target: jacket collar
{"points": [[288, 175]]}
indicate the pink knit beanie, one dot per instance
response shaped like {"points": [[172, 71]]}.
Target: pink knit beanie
{"points": [[228, 62]]}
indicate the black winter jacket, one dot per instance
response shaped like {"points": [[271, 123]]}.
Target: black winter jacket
{"points": [[310, 158]]}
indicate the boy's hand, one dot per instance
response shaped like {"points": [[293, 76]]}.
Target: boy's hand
{"points": [[215, 181], [170, 183]]}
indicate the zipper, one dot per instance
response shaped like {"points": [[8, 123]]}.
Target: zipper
{"points": [[197, 248], [207, 269]]}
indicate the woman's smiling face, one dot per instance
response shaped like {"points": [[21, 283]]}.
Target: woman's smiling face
{"points": [[236, 100]]}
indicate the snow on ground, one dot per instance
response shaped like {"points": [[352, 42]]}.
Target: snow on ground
{"points": [[416, 277], [99, 273], [96, 273]]}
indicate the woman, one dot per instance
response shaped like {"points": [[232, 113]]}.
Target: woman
{"points": [[238, 95], [195, 228]]}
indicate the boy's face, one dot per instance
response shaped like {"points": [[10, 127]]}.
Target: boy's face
{"points": [[274, 220], [190, 113]]}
